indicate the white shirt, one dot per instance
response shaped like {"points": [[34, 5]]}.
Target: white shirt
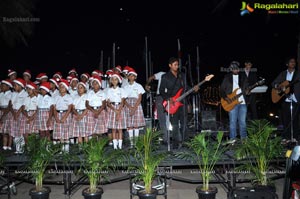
{"points": [[72, 92], [157, 76], [31, 103], [18, 99], [54, 93], [96, 99], [4, 98], [133, 90], [116, 94], [235, 81], [62, 102], [124, 82], [79, 101], [44, 101], [289, 77]]}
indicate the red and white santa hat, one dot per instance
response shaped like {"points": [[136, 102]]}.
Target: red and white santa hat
{"points": [[41, 76], [95, 72], [117, 76], [126, 69], [73, 70], [27, 72], [65, 83], [45, 86], [74, 78], [57, 75], [131, 71], [86, 75], [20, 81], [7, 82], [31, 85], [11, 72], [54, 81], [83, 84], [97, 79], [119, 68], [109, 72]]}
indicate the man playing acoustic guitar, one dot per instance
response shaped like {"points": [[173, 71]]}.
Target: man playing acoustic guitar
{"points": [[284, 87], [235, 82], [171, 83]]}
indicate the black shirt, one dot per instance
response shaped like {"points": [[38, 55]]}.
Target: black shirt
{"points": [[170, 84]]}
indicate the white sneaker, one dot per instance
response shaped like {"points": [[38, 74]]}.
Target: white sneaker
{"points": [[232, 141], [4, 148], [9, 148]]}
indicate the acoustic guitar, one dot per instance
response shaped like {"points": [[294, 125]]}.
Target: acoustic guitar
{"points": [[173, 107], [233, 97], [282, 90]]}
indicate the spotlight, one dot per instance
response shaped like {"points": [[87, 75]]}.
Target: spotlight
{"points": [[271, 114]]}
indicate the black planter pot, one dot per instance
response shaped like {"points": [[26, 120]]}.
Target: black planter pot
{"points": [[210, 194], [266, 188], [44, 194], [87, 195], [142, 195]]}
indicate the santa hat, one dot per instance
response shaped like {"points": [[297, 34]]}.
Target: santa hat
{"points": [[27, 72], [41, 76], [36, 82], [11, 72], [83, 84], [45, 86], [109, 72], [31, 85], [126, 69], [20, 81], [119, 68], [131, 71], [57, 75], [97, 79], [96, 72], [86, 75], [69, 77], [74, 78], [7, 82], [73, 70], [54, 81], [65, 83], [117, 76]]}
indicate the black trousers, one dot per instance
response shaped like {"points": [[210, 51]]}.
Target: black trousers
{"points": [[286, 119], [177, 126]]}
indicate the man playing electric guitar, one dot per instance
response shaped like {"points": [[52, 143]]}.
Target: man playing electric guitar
{"points": [[171, 83], [238, 114]]}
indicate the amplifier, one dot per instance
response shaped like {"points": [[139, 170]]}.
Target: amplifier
{"points": [[208, 120]]}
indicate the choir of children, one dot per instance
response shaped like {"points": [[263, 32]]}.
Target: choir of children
{"points": [[64, 109]]}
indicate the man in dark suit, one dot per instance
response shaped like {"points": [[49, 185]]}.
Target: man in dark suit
{"points": [[250, 74], [291, 75]]}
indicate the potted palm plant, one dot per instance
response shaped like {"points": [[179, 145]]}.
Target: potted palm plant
{"points": [[40, 151], [259, 149], [205, 152], [99, 160], [147, 159]]}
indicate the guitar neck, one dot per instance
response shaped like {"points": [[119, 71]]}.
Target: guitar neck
{"points": [[189, 91]]}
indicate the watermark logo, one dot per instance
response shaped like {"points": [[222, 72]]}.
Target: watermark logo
{"points": [[270, 8], [246, 8]]}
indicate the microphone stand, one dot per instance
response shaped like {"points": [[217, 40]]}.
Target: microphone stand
{"points": [[168, 126]]}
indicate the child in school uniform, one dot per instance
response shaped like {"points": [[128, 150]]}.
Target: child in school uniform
{"points": [[54, 87], [116, 114], [30, 110], [134, 112], [44, 122], [62, 117], [96, 105], [80, 111], [5, 113], [18, 125], [73, 86]]}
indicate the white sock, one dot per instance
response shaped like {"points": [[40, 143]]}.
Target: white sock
{"points": [[54, 142], [115, 142], [66, 144], [136, 132], [130, 133], [120, 144], [72, 140]]}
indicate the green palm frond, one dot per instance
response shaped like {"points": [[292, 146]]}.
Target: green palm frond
{"points": [[259, 149]]}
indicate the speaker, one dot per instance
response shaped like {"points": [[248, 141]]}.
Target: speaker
{"points": [[208, 120], [252, 193]]}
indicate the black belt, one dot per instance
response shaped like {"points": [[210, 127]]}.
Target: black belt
{"points": [[29, 110], [115, 103], [61, 111], [96, 107], [80, 110]]}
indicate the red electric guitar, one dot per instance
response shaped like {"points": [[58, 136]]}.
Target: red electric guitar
{"points": [[178, 97]]}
